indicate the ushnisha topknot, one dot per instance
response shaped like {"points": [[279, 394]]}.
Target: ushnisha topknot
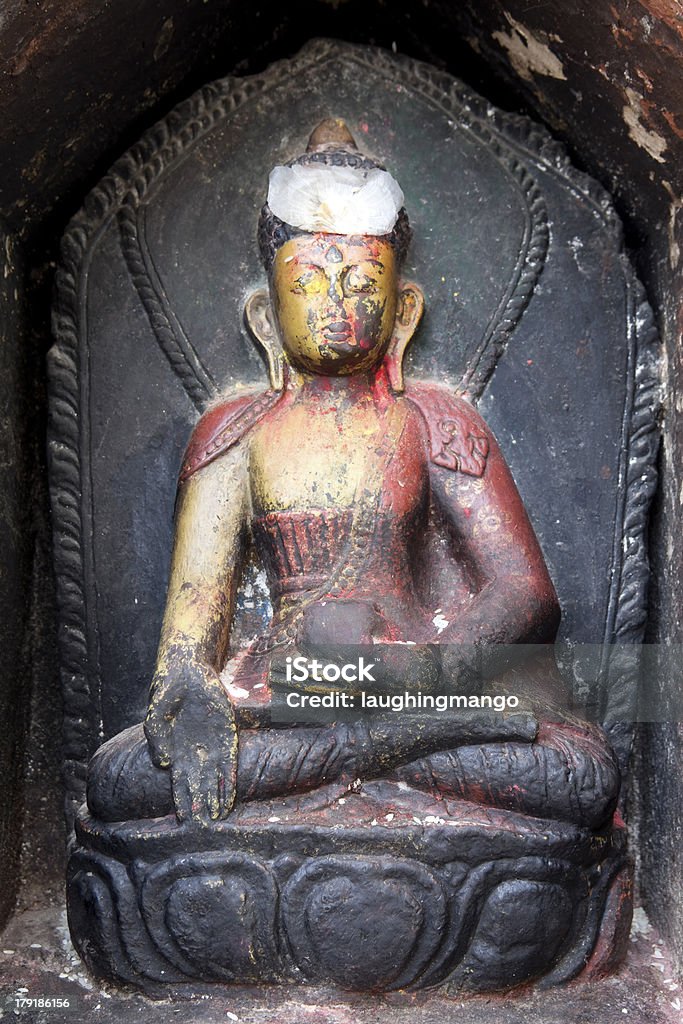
{"points": [[332, 188]]}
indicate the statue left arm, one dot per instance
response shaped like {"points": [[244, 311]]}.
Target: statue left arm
{"points": [[513, 599]]}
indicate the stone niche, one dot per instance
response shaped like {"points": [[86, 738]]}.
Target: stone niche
{"points": [[608, 604], [528, 322]]}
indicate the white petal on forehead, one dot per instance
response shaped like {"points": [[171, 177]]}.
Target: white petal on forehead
{"points": [[337, 200]]}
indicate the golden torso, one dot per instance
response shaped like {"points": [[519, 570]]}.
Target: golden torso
{"points": [[316, 467], [323, 454]]}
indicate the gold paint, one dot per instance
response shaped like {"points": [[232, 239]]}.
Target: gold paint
{"points": [[332, 133], [335, 301], [324, 280], [336, 431], [334, 312], [259, 317], [336, 446], [213, 511], [463, 485], [408, 315]]}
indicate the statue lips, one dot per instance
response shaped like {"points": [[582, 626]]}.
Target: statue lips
{"points": [[338, 330], [339, 337]]}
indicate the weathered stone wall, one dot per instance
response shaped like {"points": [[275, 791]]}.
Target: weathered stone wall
{"points": [[15, 560], [81, 80]]}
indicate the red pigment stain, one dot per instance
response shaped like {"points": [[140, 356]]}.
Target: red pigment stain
{"points": [[672, 122]]}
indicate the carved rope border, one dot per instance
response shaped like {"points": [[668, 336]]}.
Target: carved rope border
{"points": [[511, 137]]}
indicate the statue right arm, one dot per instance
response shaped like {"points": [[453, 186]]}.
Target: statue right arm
{"points": [[211, 522], [190, 724]]}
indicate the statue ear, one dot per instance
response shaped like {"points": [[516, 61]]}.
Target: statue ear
{"points": [[408, 313], [258, 313]]}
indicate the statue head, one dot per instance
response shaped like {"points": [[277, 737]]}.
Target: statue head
{"points": [[333, 236]]}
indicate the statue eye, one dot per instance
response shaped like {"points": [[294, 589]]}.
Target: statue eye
{"points": [[306, 283], [357, 283]]}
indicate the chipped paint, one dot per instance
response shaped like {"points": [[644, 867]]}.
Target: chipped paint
{"points": [[672, 121], [674, 210], [440, 622], [528, 54], [652, 142]]}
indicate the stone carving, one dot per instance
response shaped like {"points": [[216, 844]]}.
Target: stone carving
{"points": [[475, 850]]}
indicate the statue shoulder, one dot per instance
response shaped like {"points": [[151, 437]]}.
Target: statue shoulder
{"points": [[458, 437], [223, 426]]}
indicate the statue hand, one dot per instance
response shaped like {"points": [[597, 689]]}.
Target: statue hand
{"points": [[191, 730]]}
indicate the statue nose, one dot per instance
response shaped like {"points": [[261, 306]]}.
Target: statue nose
{"points": [[335, 292]]}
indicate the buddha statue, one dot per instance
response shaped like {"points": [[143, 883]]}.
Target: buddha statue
{"points": [[342, 475]]}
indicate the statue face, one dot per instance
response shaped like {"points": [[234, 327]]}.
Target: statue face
{"points": [[335, 301]]}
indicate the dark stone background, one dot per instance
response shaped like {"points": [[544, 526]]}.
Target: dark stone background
{"points": [[81, 79]]}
